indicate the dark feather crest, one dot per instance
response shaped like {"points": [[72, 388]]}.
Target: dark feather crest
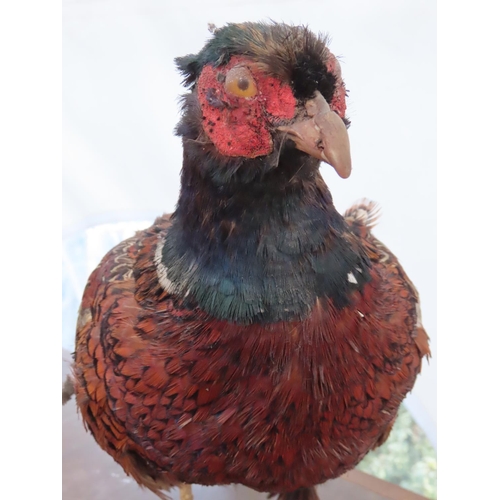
{"points": [[280, 49]]}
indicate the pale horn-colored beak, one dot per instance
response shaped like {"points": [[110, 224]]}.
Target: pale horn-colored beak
{"points": [[323, 135]]}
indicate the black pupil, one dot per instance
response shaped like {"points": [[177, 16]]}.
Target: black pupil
{"points": [[243, 83]]}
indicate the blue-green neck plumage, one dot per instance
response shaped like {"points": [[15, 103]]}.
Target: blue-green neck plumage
{"points": [[250, 242]]}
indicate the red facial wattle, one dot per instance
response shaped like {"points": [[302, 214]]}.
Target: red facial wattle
{"points": [[239, 126], [338, 101], [238, 119]]}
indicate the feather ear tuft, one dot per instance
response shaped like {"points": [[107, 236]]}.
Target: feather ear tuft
{"points": [[189, 68]]}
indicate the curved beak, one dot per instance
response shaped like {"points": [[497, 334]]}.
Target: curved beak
{"points": [[323, 135]]}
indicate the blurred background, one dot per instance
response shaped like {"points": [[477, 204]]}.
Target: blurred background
{"points": [[121, 161]]}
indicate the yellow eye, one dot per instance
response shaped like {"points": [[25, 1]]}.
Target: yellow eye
{"points": [[240, 83]]}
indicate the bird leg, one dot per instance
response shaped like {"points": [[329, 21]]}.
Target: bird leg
{"points": [[185, 492]]}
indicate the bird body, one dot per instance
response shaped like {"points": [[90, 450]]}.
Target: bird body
{"points": [[254, 336]]}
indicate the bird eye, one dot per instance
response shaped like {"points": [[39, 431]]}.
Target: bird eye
{"points": [[240, 83]]}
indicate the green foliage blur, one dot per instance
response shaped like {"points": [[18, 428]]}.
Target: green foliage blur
{"points": [[407, 458]]}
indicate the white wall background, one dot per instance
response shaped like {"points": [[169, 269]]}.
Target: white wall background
{"points": [[121, 160]]}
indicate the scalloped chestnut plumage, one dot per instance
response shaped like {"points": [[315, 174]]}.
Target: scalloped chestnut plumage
{"points": [[254, 336]]}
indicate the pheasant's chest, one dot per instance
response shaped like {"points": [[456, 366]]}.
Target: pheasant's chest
{"points": [[290, 411], [283, 375], [272, 406]]}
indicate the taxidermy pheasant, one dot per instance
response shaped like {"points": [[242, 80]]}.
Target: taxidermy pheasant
{"points": [[255, 336]]}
